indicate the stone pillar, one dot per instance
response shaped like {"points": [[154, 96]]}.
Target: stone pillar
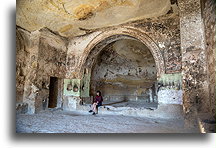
{"points": [[30, 88], [208, 14], [194, 61]]}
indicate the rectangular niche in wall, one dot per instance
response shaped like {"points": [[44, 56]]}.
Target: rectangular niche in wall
{"points": [[53, 92]]}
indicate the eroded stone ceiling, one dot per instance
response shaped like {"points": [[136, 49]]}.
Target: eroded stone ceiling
{"points": [[67, 16]]}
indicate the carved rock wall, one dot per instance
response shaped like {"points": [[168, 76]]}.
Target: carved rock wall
{"points": [[124, 69], [51, 63], [163, 31], [51, 55], [40, 55], [22, 58], [194, 65], [208, 14]]}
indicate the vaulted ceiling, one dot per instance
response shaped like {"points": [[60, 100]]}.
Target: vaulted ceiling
{"points": [[67, 16]]}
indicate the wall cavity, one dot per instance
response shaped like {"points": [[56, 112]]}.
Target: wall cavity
{"points": [[126, 70]]}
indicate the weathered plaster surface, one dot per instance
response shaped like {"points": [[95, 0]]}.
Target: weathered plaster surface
{"points": [[170, 89], [71, 103], [72, 82], [171, 80], [84, 86], [170, 96]]}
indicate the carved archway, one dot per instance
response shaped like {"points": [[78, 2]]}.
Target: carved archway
{"points": [[121, 33]]}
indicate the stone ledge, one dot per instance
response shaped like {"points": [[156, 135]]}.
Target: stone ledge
{"points": [[166, 111]]}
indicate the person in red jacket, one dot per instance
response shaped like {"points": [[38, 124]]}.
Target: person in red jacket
{"points": [[96, 103]]}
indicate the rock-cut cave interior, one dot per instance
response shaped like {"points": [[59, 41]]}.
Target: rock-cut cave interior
{"points": [[152, 61]]}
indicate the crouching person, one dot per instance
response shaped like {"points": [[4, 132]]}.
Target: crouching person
{"points": [[96, 103]]}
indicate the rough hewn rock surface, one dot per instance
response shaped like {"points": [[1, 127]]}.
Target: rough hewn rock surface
{"points": [[124, 69], [68, 17], [193, 63], [83, 42], [40, 55], [209, 23], [163, 31], [22, 58], [55, 56], [51, 63]]}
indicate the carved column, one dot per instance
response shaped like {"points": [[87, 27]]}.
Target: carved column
{"points": [[194, 60]]}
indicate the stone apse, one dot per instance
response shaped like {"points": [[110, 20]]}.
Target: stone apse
{"points": [[163, 59]]}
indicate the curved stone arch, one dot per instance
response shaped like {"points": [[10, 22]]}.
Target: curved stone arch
{"points": [[133, 34], [89, 62]]}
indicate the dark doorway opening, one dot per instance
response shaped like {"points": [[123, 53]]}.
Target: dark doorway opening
{"points": [[53, 92]]}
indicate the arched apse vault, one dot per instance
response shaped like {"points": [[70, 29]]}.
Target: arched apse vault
{"points": [[106, 37]]}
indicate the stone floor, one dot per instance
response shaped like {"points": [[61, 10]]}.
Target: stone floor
{"points": [[58, 121]]}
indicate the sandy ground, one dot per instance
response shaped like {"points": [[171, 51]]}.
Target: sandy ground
{"points": [[73, 122]]}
